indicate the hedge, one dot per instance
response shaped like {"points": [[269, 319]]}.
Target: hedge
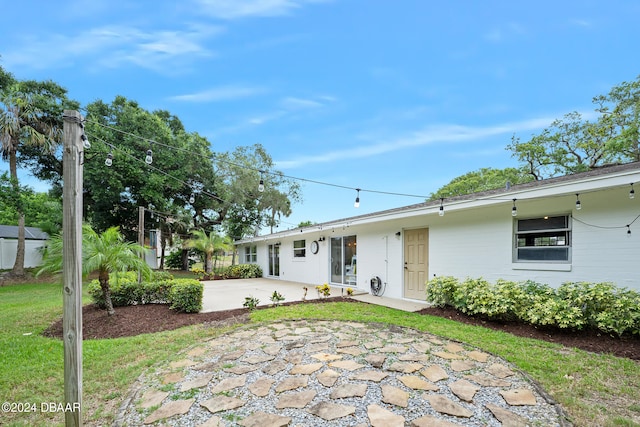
{"points": [[242, 271], [573, 305], [183, 294]]}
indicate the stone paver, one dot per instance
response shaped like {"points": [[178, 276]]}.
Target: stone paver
{"points": [[177, 407], [314, 372], [380, 417]]}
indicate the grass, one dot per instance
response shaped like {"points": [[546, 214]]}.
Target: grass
{"points": [[595, 390]]}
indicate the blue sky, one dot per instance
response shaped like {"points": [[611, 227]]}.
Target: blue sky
{"points": [[394, 96]]}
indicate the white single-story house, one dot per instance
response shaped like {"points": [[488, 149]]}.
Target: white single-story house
{"points": [[35, 239], [581, 227]]}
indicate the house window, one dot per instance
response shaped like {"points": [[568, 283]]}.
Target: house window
{"points": [[250, 254], [546, 239], [299, 248]]}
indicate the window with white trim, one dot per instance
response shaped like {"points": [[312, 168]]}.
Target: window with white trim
{"points": [[546, 239], [299, 248], [250, 254]]}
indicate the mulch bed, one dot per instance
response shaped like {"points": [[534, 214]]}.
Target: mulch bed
{"points": [[141, 319]]}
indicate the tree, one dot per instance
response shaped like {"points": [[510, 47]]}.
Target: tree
{"points": [[40, 209], [208, 245], [481, 180], [573, 144], [241, 171], [30, 120], [105, 253]]}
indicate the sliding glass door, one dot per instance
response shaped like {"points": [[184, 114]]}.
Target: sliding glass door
{"points": [[274, 260], [344, 260]]}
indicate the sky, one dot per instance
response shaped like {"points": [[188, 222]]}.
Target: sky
{"points": [[391, 96]]}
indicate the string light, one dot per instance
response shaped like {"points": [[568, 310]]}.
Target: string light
{"points": [[356, 204], [109, 160], [149, 158], [192, 198], [85, 141], [261, 183]]}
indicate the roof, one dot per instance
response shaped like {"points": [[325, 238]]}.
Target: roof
{"points": [[30, 233], [499, 195]]}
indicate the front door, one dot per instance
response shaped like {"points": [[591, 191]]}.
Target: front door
{"points": [[416, 263]]}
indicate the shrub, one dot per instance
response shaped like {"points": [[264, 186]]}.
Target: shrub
{"points": [[622, 316], [440, 290], [174, 260], [574, 305], [251, 302], [276, 298], [183, 294], [324, 290], [186, 295], [242, 271]]}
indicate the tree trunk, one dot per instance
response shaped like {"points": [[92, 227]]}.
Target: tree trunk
{"points": [[163, 245], [18, 266], [208, 265], [185, 259], [103, 278]]}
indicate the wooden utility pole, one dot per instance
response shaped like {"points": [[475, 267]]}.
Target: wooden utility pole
{"points": [[141, 236], [72, 159]]}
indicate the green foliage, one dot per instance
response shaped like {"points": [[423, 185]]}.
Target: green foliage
{"points": [[440, 290], [276, 298], [174, 260], [183, 294], [574, 305], [324, 290], [242, 271], [572, 144], [186, 295], [481, 180], [251, 302]]}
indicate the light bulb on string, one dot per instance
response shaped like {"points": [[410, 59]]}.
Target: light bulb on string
{"points": [[109, 159], [514, 209], [632, 193], [356, 204], [192, 199], [578, 204], [441, 211], [149, 158], [85, 141]]}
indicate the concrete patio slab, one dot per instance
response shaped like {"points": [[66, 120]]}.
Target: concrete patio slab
{"points": [[222, 295]]}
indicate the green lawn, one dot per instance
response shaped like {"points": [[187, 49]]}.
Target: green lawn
{"points": [[596, 390]]}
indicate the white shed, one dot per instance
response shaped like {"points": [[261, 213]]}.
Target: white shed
{"points": [[35, 239], [582, 227]]}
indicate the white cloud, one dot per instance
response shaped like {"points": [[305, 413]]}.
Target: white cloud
{"points": [[233, 9], [580, 22], [222, 93], [112, 46], [430, 135], [293, 103]]}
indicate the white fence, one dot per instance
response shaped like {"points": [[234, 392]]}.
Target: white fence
{"points": [[32, 255]]}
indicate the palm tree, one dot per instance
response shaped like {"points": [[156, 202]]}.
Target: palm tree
{"points": [[105, 253], [25, 123], [209, 245]]}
